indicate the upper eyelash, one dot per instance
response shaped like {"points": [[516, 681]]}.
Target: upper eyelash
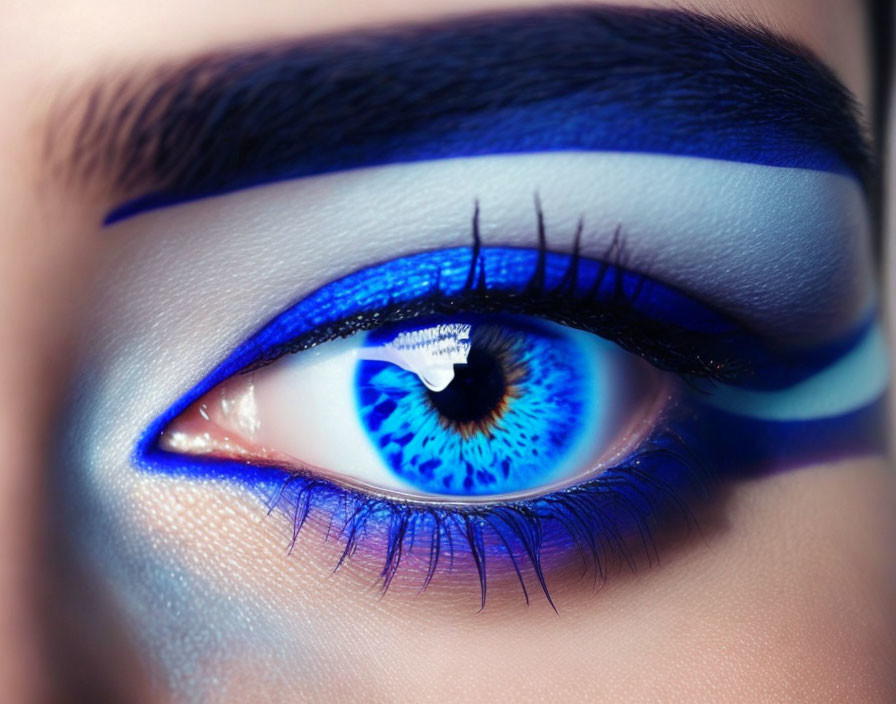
{"points": [[699, 354]]}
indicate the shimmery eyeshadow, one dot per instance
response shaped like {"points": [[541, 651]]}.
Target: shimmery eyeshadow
{"points": [[779, 249]]}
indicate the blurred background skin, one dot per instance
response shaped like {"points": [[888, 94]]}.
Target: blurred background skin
{"points": [[785, 642]]}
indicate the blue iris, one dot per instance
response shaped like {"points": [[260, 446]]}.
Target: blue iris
{"points": [[509, 421]]}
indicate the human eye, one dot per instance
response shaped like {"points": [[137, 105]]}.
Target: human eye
{"points": [[468, 388], [507, 404], [426, 394], [389, 345]]}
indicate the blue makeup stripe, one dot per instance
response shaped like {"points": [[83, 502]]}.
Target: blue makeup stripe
{"points": [[775, 446], [580, 79]]}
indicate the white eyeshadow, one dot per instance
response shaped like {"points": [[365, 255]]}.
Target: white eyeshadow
{"points": [[783, 248]]}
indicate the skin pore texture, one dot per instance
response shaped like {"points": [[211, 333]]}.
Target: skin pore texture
{"points": [[787, 595]]}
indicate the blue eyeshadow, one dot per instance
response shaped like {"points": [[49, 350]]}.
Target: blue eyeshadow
{"points": [[469, 280]]}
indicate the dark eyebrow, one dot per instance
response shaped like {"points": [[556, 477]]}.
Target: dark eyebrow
{"points": [[593, 78]]}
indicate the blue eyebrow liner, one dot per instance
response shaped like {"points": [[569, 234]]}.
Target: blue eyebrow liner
{"points": [[566, 79]]}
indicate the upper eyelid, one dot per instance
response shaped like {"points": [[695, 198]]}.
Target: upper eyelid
{"points": [[711, 228], [708, 339], [556, 277], [151, 133]]}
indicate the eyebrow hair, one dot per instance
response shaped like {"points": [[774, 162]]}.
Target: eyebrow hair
{"points": [[595, 78]]}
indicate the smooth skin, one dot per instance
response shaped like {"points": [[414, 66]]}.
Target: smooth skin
{"points": [[790, 596]]}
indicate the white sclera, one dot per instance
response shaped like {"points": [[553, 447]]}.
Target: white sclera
{"points": [[307, 409]]}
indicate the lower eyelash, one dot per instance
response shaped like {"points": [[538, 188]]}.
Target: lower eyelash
{"points": [[612, 516]]}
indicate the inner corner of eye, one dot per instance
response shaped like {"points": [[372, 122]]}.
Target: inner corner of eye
{"points": [[456, 406]]}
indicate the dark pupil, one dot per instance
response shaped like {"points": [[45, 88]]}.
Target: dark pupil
{"points": [[476, 391]]}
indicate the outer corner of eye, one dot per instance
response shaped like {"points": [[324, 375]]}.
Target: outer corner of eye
{"points": [[462, 408]]}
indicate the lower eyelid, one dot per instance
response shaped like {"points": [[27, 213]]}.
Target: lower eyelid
{"points": [[618, 518]]}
